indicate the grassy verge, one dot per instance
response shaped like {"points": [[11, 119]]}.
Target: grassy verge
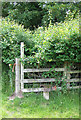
{"points": [[33, 105]]}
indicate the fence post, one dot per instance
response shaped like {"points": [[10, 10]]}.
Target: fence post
{"points": [[68, 75], [22, 66], [65, 69], [46, 95], [17, 77]]}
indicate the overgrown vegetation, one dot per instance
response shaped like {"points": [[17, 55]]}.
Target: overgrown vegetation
{"points": [[59, 43], [46, 47], [12, 35], [55, 41]]}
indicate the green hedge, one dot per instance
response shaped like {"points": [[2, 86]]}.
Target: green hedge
{"points": [[12, 35], [60, 42]]}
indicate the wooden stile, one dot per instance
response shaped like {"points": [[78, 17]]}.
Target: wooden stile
{"points": [[66, 74]]}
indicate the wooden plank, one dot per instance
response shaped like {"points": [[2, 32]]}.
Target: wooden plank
{"points": [[17, 76], [74, 80], [49, 80], [38, 89], [76, 87], [74, 71], [33, 90], [38, 80], [22, 66], [43, 70], [43, 89]]}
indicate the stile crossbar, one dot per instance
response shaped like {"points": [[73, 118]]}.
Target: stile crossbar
{"points": [[19, 81]]}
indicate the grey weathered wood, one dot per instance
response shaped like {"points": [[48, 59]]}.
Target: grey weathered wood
{"points": [[65, 70], [38, 80], [38, 89], [17, 76], [74, 71], [33, 90], [48, 80], [43, 89], [73, 80], [43, 70], [76, 87], [22, 66], [68, 76], [46, 95]]}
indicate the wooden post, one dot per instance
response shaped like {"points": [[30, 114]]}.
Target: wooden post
{"points": [[65, 69], [17, 77], [22, 66], [46, 95], [68, 75]]}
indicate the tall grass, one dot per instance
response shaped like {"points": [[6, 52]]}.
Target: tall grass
{"points": [[33, 105]]}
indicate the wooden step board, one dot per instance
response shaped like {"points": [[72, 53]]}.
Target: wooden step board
{"points": [[45, 89], [37, 89]]}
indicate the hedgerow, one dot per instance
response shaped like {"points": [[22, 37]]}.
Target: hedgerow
{"points": [[59, 42], [12, 35]]}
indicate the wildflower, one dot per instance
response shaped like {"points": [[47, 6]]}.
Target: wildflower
{"points": [[10, 64], [54, 87]]}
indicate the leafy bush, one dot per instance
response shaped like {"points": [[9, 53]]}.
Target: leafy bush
{"points": [[60, 42], [12, 35]]}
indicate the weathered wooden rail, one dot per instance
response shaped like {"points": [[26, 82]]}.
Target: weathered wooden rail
{"points": [[20, 81]]}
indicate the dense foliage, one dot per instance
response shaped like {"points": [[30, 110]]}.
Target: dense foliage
{"points": [[27, 13], [60, 42], [34, 14], [12, 35]]}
